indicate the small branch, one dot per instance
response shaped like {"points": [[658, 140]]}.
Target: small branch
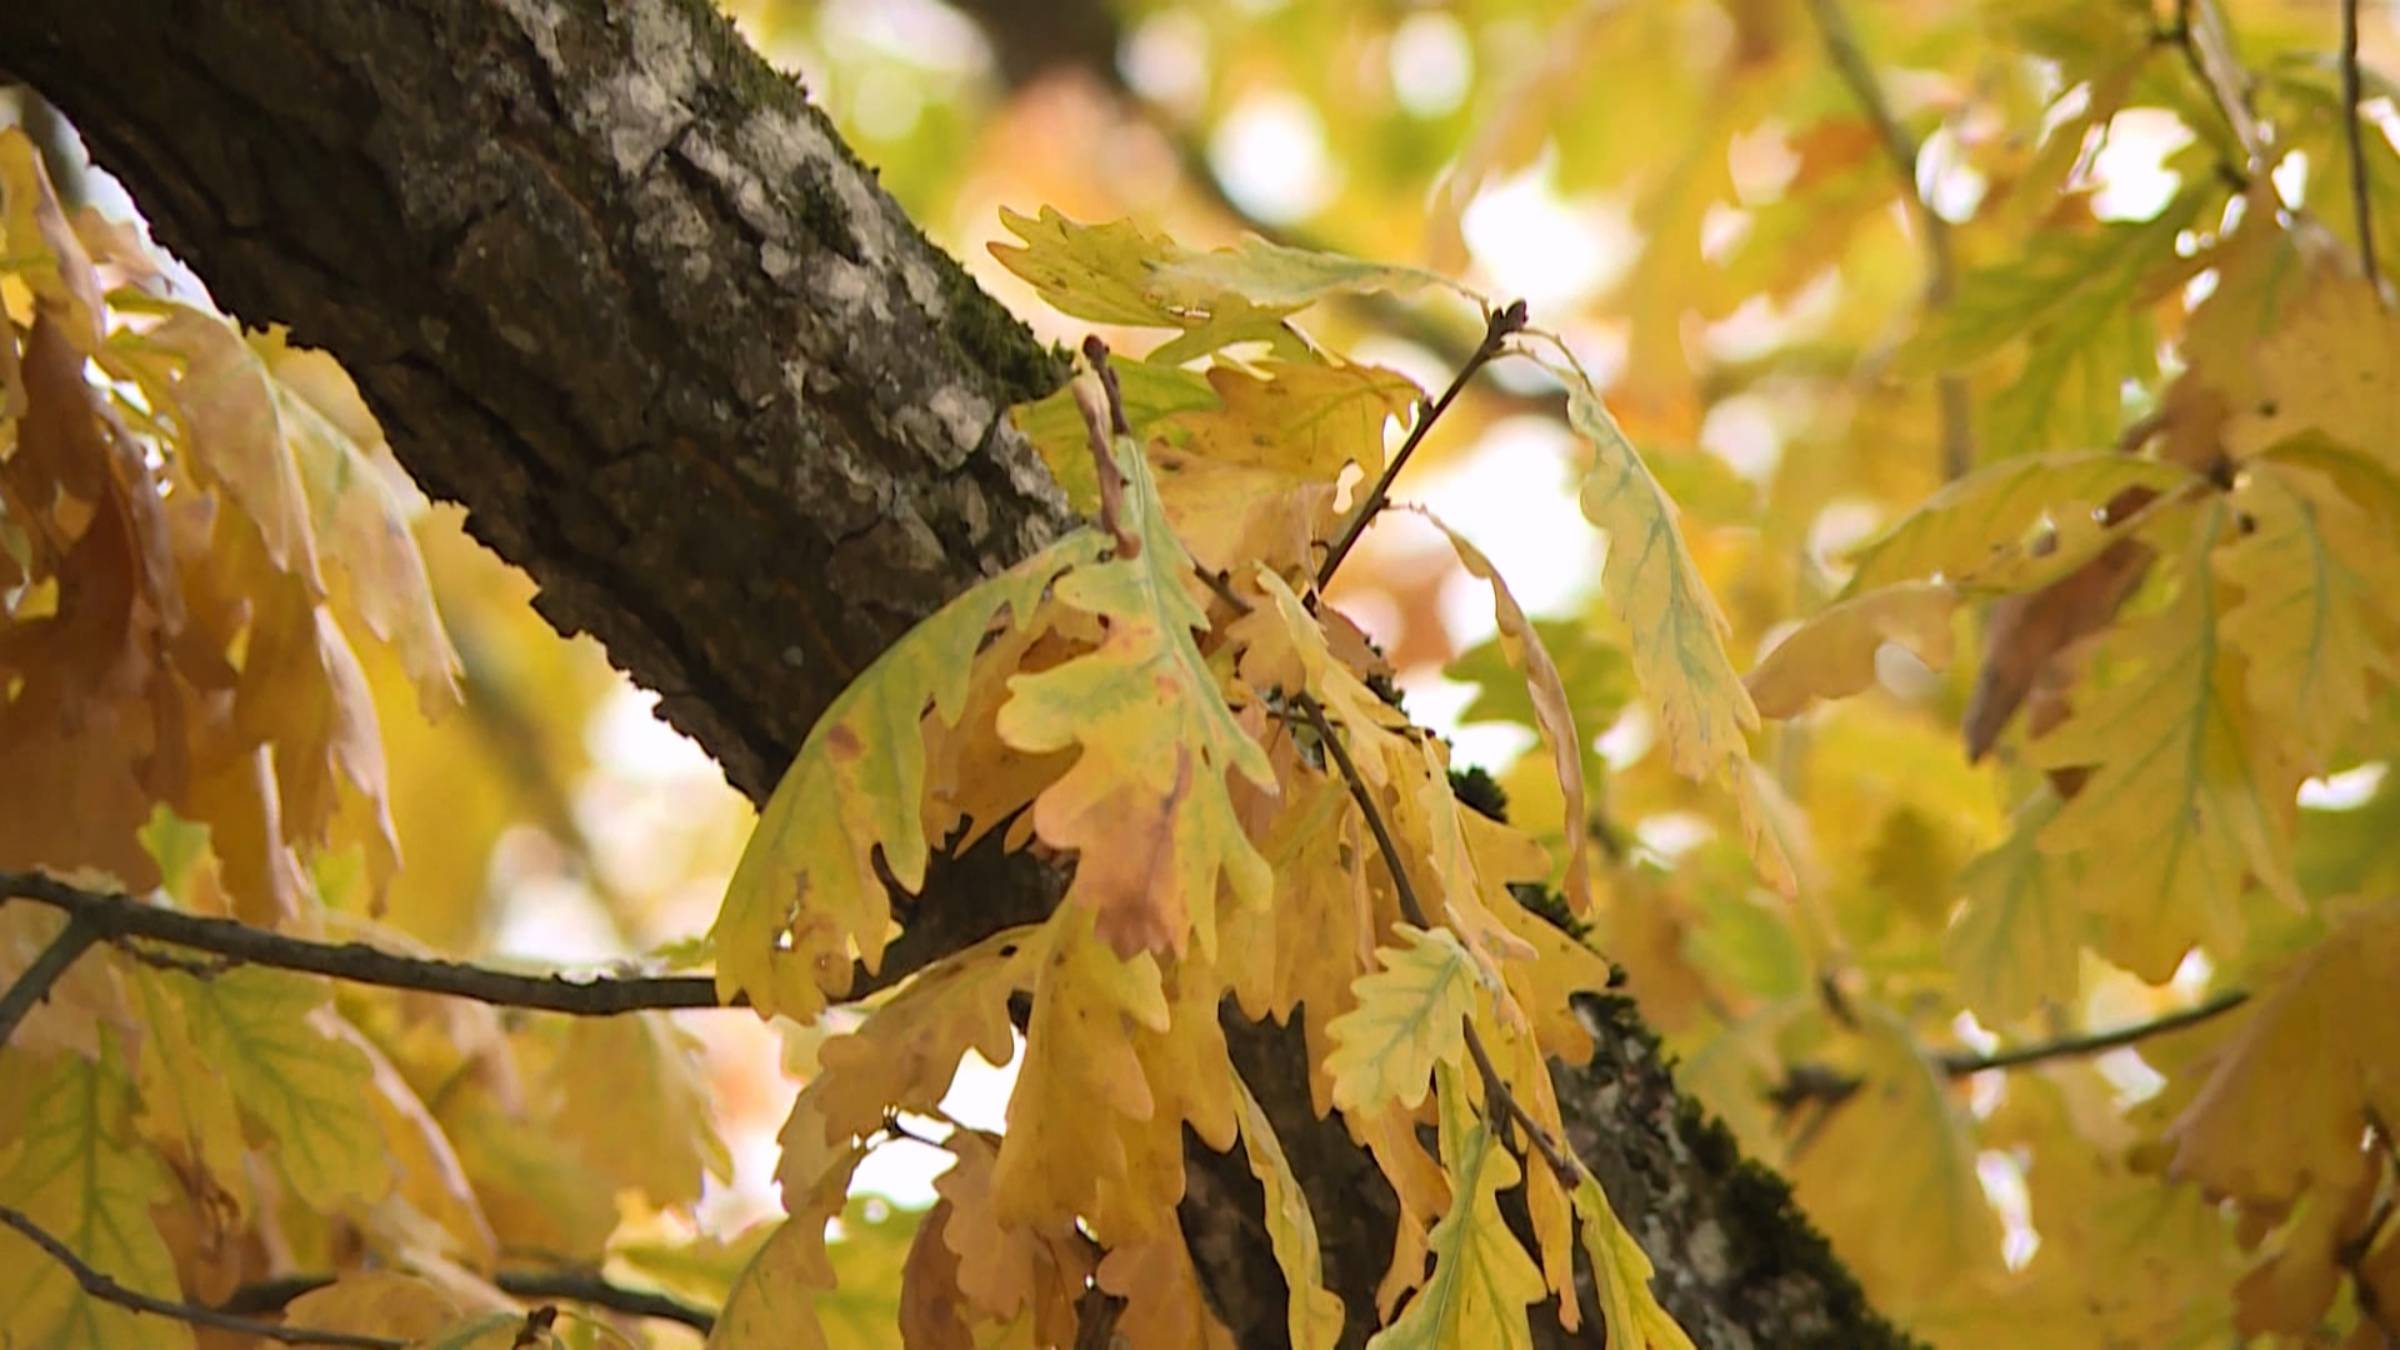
{"points": [[1815, 1082], [34, 985], [583, 1286], [2200, 32], [1496, 1091], [1941, 260], [107, 1290], [117, 917], [1497, 329], [2100, 1042], [2353, 126]]}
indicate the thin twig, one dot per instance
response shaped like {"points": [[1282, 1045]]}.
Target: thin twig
{"points": [[2356, 135], [2200, 32], [117, 917], [1496, 331], [107, 1290], [1815, 1082], [1495, 1090], [1960, 1065], [1941, 259], [34, 984], [571, 1285], [583, 1286]]}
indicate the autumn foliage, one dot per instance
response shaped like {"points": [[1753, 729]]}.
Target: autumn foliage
{"points": [[1991, 814]]}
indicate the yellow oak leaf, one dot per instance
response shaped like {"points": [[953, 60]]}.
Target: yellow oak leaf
{"points": [[1009, 1271], [1082, 1079], [2285, 1107], [1987, 529], [1145, 806], [186, 1102], [2016, 937], [536, 1195], [636, 1106], [1267, 273], [1629, 1309], [1482, 1279], [1164, 1306], [76, 1169], [2175, 764], [1902, 1128], [775, 1301], [1314, 1320], [197, 371], [39, 246], [348, 472], [1677, 631], [426, 1170], [903, 1056], [2312, 568], [1113, 273], [2331, 365], [378, 1303], [309, 1090], [1150, 393], [1411, 1017], [1309, 419], [1552, 717], [807, 891], [1833, 654], [1285, 647]]}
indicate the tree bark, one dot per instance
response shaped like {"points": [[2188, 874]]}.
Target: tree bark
{"points": [[615, 286]]}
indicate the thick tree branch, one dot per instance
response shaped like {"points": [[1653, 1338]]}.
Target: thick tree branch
{"points": [[107, 1290]]}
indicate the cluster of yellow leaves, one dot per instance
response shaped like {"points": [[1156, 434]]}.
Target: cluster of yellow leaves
{"points": [[1149, 708], [193, 520]]}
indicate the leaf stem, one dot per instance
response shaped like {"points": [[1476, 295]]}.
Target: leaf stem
{"points": [[1941, 261], [1496, 331], [34, 984], [101, 1286], [2355, 134]]}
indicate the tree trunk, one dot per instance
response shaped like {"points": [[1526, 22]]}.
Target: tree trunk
{"points": [[615, 286]]}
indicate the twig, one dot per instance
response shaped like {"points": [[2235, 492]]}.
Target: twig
{"points": [[1496, 1091], [583, 1286], [107, 1290], [1961, 1065], [1941, 259], [1815, 1082], [2200, 32], [2356, 136], [1496, 331], [116, 917], [34, 984], [574, 1286]]}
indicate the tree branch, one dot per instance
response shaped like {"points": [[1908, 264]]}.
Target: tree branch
{"points": [[107, 1290], [2354, 132], [1814, 1082], [34, 985], [1496, 1092], [1496, 329], [117, 917], [584, 1286], [1941, 261]]}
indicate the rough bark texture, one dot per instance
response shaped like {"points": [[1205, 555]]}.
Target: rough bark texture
{"points": [[616, 287]]}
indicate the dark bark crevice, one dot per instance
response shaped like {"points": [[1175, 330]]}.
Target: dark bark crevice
{"points": [[612, 284]]}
